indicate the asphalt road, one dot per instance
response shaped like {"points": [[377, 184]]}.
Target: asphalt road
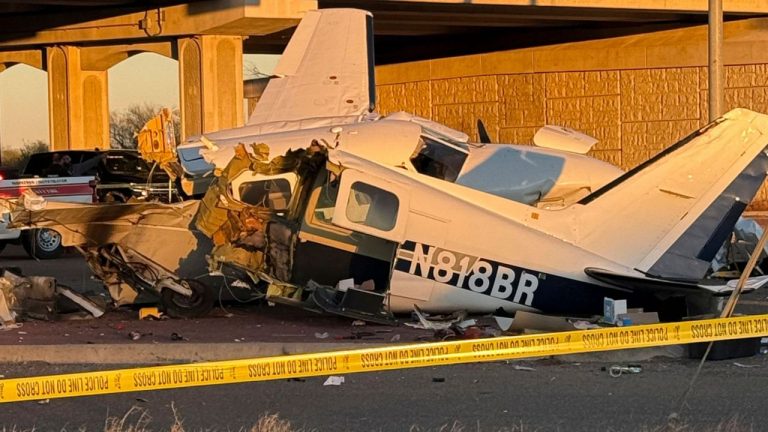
{"points": [[69, 270], [483, 397]]}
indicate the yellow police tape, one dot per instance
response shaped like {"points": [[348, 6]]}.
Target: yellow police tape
{"points": [[378, 359]]}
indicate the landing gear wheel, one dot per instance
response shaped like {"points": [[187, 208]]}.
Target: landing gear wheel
{"points": [[180, 306], [42, 243]]}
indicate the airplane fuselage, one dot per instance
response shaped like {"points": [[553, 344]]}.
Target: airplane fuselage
{"points": [[448, 245]]}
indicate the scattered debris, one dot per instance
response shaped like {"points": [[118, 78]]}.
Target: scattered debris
{"points": [[39, 297], [638, 318], [503, 322], [84, 302], [134, 335], [150, 313], [473, 332], [742, 365], [356, 335], [585, 325], [44, 402], [617, 370], [612, 309], [323, 335], [334, 381], [467, 323], [735, 253], [438, 379], [395, 338], [358, 323], [10, 326], [523, 368], [438, 322], [177, 337], [527, 321], [7, 317]]}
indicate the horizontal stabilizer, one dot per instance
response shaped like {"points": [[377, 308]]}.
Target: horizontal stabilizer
{"points": [[643, 284], [669, 216]]}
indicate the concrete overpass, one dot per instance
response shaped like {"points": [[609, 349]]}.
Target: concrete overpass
{"points": [[76, 41]]}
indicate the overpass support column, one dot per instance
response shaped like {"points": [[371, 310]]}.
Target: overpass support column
{"points": [[78, 102], [211, 83]]}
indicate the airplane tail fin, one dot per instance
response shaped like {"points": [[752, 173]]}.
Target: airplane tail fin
{"points": [[669, 216], [327, 70]]}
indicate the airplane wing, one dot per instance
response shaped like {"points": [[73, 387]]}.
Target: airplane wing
{"points": [[325, 71], [645, 284]]}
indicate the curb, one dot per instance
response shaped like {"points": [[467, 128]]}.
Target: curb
{"points": [[143, 354], [167, 353]]}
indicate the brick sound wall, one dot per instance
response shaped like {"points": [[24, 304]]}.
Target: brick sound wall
{"points": [[635, 113]]}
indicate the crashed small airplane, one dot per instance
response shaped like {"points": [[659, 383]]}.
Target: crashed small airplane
{"points": [[321, 203]]}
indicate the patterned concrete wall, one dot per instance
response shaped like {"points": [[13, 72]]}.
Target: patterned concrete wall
{"points": [[635, 113]]}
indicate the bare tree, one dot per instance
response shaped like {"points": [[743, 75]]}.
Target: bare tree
{"points": [[18, 157], [124, 125]]}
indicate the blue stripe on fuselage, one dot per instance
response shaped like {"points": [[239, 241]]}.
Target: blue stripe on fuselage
{"points": [[543, 291]]}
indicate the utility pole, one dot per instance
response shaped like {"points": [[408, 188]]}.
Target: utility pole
{"points": [[716, 68]]}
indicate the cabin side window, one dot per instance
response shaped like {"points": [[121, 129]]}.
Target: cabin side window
{"points": [[437, 159], [274, 194], [371, 206], [326, 200]]}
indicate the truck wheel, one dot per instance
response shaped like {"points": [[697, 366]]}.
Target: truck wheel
{"points": [[2, 246], [43, 243], [180, 306]]}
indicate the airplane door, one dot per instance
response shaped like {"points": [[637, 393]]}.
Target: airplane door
{"points": [[360, 245], [380, 208], [372, 206]]}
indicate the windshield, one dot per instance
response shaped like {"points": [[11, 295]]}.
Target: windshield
{"points": [[125, 162], [437, 159]]}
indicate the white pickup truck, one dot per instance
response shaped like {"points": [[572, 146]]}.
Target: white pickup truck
{"points": [[42, 243]]}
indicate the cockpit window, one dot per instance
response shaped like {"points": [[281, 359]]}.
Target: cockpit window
{"points": [[438, 159]]}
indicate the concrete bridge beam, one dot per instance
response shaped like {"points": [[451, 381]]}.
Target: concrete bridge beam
{"points": [[210, 83], [78, 104]]}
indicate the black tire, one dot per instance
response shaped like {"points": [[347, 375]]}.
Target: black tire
{"points": [[2, 245], [42, 243], [179, 306]]}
